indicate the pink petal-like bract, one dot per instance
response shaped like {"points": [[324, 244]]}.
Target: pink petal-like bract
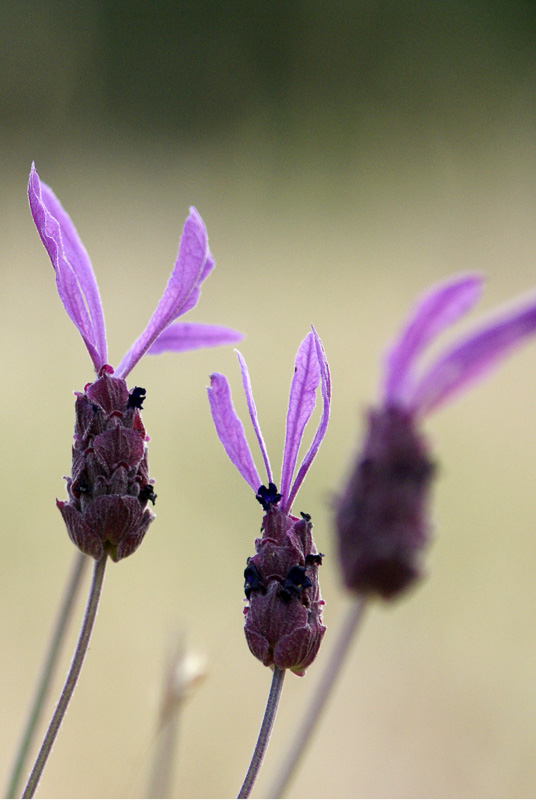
{"points": [[75, 280], [301, 404], [182, 336], [253, 413], [194, 263], [325, 383], [438, 308], [230, 430], [471, 359]]}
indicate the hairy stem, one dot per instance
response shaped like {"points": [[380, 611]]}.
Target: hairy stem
{"points": [[318, 702], [264, 733], [72, 677], [48, 668]]}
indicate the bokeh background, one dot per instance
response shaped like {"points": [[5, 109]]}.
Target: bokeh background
{"points": [[344, 155]]}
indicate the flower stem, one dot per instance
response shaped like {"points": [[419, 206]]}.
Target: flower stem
{"points": [[327, 681], [165, 757], [80, 562], [264, 733], [72, 677]]}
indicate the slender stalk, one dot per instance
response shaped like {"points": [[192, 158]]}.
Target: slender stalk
{"points": [[185, 670], [72, 677], [264, 733], [165, 755], [48, 668], [314, 711]]}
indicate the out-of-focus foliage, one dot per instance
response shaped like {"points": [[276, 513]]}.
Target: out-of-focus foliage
{"points": [[306, 70]]}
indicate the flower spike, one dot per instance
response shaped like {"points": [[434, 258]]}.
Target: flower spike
{"points": [[382, 516], [110, 488], [283, 624]]}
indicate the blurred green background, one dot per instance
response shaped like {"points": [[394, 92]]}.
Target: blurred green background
{"points": [[344, 155]]}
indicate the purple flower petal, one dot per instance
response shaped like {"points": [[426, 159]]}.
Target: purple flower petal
{"points": [[300, 407], [477, 354], [437, 308], [322, 425], [182, 336], [253, 414], [75, 280], [194, 263], [230, 430]]}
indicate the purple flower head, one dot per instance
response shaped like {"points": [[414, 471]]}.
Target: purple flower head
{"points": [[382, 517], [283, 623], [109, 487]]}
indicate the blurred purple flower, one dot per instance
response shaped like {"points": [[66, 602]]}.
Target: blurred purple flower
{"points": [[283, 623], [110, 486], [382, 516]]}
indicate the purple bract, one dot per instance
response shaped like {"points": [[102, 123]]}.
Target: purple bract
{"points": [[283, 623], [382, 516], [110, 486]]}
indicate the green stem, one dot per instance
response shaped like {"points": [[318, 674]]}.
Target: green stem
{"points": [[264, 733], [72, 677], [314, 711], [47, 670]]}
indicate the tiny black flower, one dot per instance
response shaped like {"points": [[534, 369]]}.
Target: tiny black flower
{"points": [[137, 397], [252, 580], [296, 581], [268, 496]]}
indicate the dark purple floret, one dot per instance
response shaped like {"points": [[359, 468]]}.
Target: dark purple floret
{"points": [[268, 496], [137, 397], [147, 494], [109, 487], [252, 580], [296, 581], [382, 517], [284, 617]]}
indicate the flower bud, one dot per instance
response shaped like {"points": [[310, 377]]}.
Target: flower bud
{"points": [[382, 517], [109, 485], [283, 619]]}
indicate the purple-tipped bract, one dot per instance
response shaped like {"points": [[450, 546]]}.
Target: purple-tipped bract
{"points": [[283, 623], [110, 486], [382, 516]]}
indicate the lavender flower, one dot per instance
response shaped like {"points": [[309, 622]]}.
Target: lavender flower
{"points": [[109, 487], [283, 623], [382, 516]]}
